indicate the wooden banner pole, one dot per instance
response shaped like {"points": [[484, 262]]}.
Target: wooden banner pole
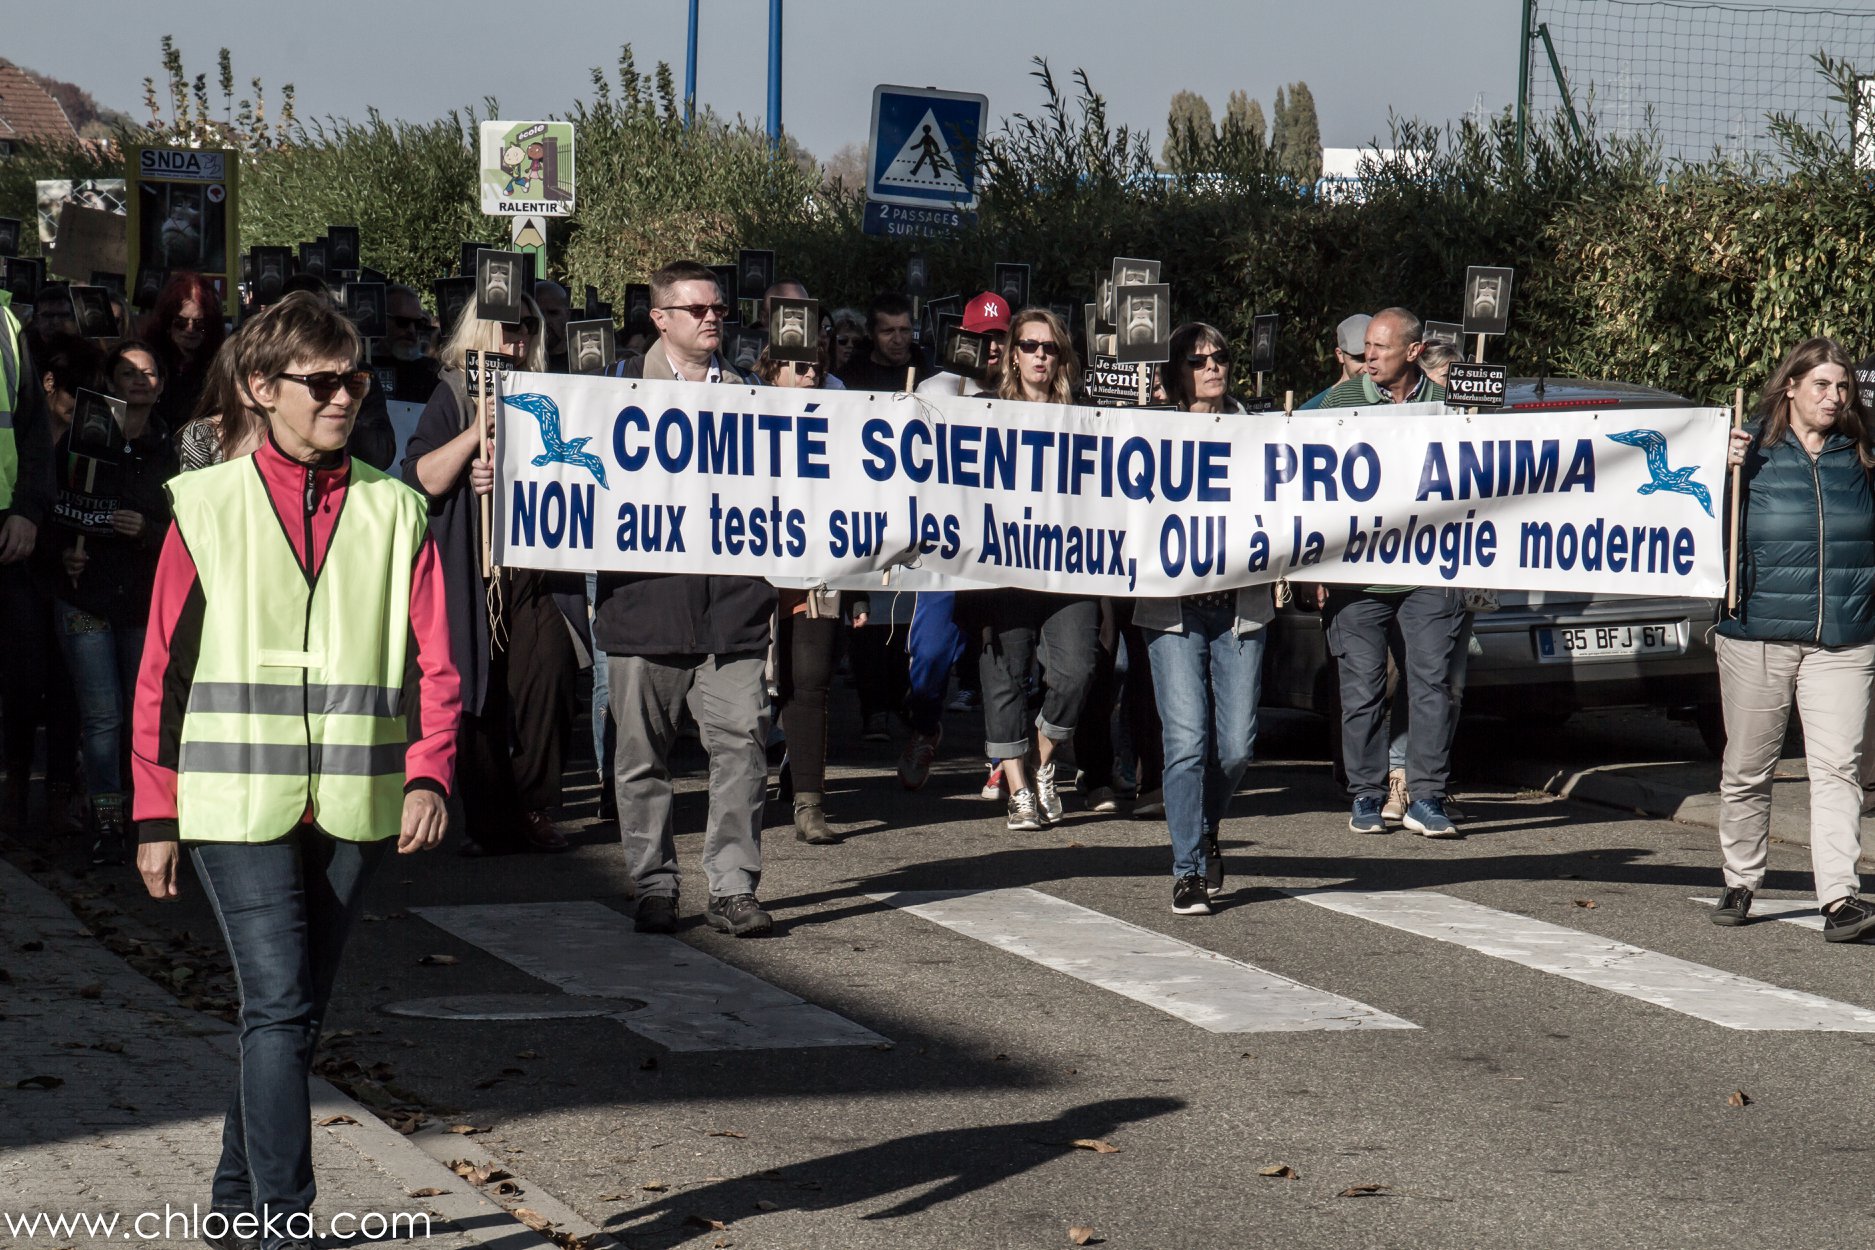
{"points": [[1738, 499]]}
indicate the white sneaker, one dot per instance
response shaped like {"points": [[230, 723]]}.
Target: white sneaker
{"points": [[1024, 816], [1102, 799], [995, 788], [1045, 793]]}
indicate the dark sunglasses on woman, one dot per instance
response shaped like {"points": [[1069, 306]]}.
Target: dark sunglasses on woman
{"points": [[322, 386], [526, 325], [1199, 360], [803, 367], [1028, 347]]}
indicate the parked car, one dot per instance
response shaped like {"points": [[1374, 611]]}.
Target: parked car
{"points": [[1543, 656]]}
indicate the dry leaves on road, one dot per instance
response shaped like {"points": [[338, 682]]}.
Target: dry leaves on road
{"points": [[1096, 1145], [728, 1132], [91, 991], [533, 1219], [466, 1130], [765, 1205], [654, 1187], [1739, 1098], [40, 1082], [477, 1174], [1362, 1191], [704, 1221], [1586, 902], [329, 1121], [428, 1191], [438, 961], [1281, 1171], [1083, 1234]]}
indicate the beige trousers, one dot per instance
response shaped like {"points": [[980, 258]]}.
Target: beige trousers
{"points": [[1831, 689]]}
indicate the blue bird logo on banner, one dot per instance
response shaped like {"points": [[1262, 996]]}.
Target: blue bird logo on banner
{"points": [[558, 450], [1678, 481]]}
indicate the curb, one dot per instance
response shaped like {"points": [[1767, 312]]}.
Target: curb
{"points": [[1616, 786]]}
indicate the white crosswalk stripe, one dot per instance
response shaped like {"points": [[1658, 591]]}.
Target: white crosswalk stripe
{"points": [[693, 1001], [1710, 994], [1201, 987]]}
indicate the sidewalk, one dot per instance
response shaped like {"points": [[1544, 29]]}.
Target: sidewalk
{"points": [[112, 1094]]}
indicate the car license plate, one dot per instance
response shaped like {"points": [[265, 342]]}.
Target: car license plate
{"points": [[1566, 644]]}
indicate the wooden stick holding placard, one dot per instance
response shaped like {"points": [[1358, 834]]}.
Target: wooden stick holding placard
{"points": [[911, 376], [1145, 373], [1259, 377], [1289, 403], [1738, 474], [478, 404], [91, 483]]}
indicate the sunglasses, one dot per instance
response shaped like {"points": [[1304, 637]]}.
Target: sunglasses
{"points": [[1028, 347], [189, 323], [698, 311], [395, 320], [323, 386], [846, 340], [526, 325], [803, 367], [1199, 360]]}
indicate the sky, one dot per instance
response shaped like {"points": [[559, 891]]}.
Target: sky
{"points": [[416, 59]]}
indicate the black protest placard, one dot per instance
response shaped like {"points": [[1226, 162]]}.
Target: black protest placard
{"points": [[454, 296], [917, 276], [755, 272], [794, 330], [365, 305], [1012, 283], [92, 479], [728, 283], [962, 351], [484, 372], [1447, 332], [313, 260], [465, 258], [1865, 382], [1487, 299], [637, 304], [112, 282], [746, 347], [22, 277], [1263, 343], [1469, 385], [499, 285], [91, 307], [591, 346], [1131, 271], [150, 282], [9, 236], [342, 248], [272, 267], [1143, 323]]}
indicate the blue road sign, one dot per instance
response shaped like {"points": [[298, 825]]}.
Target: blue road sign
{"points": [[923, 151], [900, 222]]}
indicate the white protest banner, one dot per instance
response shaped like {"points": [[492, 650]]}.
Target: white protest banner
{"points": [[809, 485]]}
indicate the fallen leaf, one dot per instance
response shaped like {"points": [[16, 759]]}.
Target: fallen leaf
{"points": [[883, 1046], [1361, 1191], [1077, 846], [704, 1221], [1739, 1098], [466, 1130], [40, 1082], [1000, 1059], [654, 1187], [649, 1064], [1096, 1145], [109, 1048], [1081, 1234], [728, 1132], [91, 991], [439, 961], [507, 1189], [1586, 902], [533, 1219], [1281, 1171], [428, 1191], [528, 1054], [330, 1120], [721, 1243], [764, 1204], [33, 947], [611, 1198]]}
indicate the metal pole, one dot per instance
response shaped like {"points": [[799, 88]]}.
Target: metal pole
{"points": [[774, 73], [1523, 76], [690, 70], [1562, 83]]}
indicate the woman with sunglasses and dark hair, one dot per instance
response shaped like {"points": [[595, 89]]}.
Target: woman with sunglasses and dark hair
{"points": [[101, 586], [185, 327], [1207, 663], [509, 633], [295, 717], [1021, 627]]}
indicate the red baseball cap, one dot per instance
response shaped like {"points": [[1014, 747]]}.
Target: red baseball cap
{"points": [[985, 312]]}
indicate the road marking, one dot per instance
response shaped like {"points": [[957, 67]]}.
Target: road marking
{"points": [[1199, 986], [693, 1001], [1789, 910], [1692, 989]]}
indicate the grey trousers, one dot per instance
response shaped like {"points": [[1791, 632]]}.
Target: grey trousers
{"points": [[1830, 687], [728, 698], [1431, 622]]}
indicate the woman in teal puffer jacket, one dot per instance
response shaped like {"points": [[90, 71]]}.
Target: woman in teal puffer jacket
{"points": [[1803, 632]]}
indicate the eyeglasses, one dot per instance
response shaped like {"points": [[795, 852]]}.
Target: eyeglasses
{"points": [[1199, 360], [526, 325], [1028, 347], [803, 367], [846, 340], [396, 320], [698, 311], [322, 386], [189, 323]]}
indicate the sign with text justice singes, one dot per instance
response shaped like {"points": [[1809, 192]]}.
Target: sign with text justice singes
{"points": [[805, 485]]}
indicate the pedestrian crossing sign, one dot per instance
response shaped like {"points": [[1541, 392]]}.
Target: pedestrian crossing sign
{"points": [[923, 150]]}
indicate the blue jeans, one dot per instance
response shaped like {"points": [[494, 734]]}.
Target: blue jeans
{"points": [[936, 645], [1402, 716], [1206, 681], [103, 659], [603, 735], [285, 908]]}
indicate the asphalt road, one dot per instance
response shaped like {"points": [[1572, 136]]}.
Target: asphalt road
{"points": [[1524, 1107]]}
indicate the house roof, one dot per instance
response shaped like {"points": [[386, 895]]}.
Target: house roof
{"points": [[28, 112]]}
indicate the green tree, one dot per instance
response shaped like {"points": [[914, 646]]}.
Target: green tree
{"points": [[1243, 121], [1279, 128], [1189, 131], [1302, 159]]}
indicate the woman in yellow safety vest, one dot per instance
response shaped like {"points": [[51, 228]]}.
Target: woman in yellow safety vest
{"points": [[295, 714]]}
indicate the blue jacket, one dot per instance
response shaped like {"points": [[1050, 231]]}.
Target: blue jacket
{"points": [[1807, 556]]}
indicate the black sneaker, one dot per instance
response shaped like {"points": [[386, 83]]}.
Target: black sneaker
{"points": [[1213, 867], [656, 913], [229, 1240], [108, 850], [739, 914], [1734, 907], [1851, 919], [1188, 896]]}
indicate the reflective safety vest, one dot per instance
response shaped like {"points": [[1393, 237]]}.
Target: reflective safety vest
{"points": [[9, 404], [298, 698]]}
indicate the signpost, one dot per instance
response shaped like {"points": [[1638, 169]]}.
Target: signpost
{"points": [[526, 168], [183, 216], [921, 160]]}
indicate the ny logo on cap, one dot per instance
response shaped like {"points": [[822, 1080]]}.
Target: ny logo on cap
{"points": [[989, 308]]}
